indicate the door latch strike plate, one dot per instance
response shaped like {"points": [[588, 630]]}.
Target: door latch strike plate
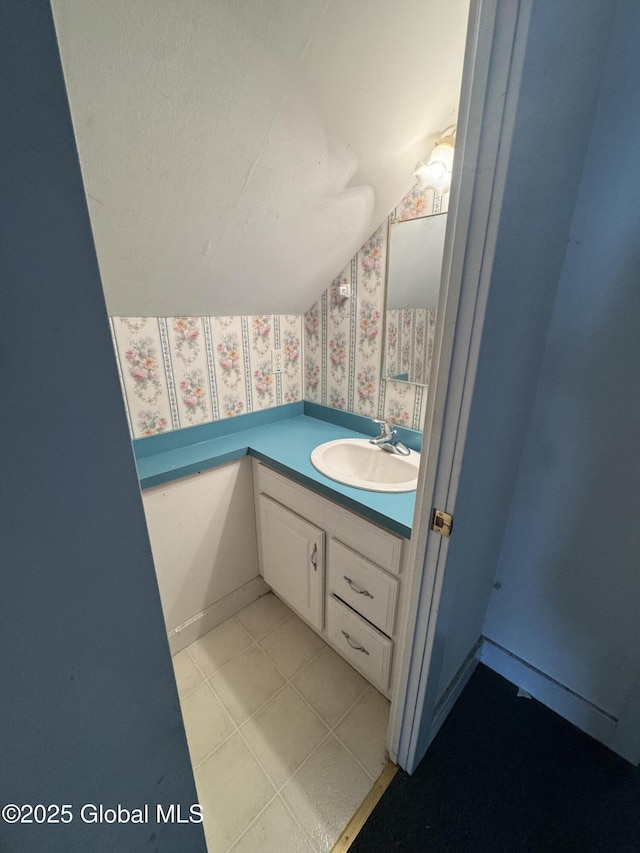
{"points": [[441, 522]]}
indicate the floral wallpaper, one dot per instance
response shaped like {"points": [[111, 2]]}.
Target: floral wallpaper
{"points": [[343, 335], [409, 343], [419, 203], [177, 372], [343, 338], [343, 341], [182, 371]]}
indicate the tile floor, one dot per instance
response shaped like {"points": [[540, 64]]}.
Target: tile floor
{"points": [[286, 739]]}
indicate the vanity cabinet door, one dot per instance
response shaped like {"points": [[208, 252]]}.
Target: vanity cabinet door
{"points": [[292, 559]]}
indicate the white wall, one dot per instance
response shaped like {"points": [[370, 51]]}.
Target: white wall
{"points": [[570, 585], [203, 538], [236, 155]]}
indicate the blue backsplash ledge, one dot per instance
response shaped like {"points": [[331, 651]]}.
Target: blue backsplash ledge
{"points": [[283, 438], [167, 441]]}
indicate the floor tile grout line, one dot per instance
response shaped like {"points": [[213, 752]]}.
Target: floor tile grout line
{"points": [[304, 665], [264, 705], [272, 628], [301, 765], [311, 660], [205, 679], [254, 641], [222, 705], [330, 730], [229, 662], [360, 698], [314, 849], [237, 729], [182, 696], [264, 769], [198, 667], [310, 756], [276, 788], [238, 622], [199, 764], [289, 681], [257, 642], [195, 662], [228, 737], [276, 796], [356, 759], [319, 715], [367, 689], [279, 789], [290, 678], [281, 622], [251, 823], [309, 705], [351, 707]]}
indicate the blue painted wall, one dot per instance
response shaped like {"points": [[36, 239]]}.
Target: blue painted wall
{"points": [[569, 567], [88, 705]]}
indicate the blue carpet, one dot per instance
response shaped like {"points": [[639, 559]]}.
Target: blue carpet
{"points": [[507, 774]]}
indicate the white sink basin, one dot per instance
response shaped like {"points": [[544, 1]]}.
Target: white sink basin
{"points": [[356, 462]]}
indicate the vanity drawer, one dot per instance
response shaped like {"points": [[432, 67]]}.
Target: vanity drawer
{"points": [[360, 643], [363, 586]]}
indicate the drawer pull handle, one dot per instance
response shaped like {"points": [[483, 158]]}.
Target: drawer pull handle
{"points": [[355, 648], [314, 557], [364, 592]]}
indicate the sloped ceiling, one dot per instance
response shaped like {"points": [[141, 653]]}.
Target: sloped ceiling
{"points": [[237, 153]]}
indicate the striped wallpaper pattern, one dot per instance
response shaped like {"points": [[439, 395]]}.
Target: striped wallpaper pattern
{"points": [[178, 372]]}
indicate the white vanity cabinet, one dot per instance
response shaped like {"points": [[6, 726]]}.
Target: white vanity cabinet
{"points": [[335, 569], [292, 559]]}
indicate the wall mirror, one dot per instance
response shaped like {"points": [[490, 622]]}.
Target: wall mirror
{"points": [[414, 264]]}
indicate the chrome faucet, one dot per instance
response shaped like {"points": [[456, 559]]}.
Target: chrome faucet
{"points": [[388, 439]]}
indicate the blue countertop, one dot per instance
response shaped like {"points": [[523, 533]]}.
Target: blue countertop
{"points": [[282, 440]]}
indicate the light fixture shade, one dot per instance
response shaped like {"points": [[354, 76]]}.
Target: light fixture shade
{"points": [[436, 173], [433, 176]]}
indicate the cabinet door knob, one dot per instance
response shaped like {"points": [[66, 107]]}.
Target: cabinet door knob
{"points": [[364, 592], [355, 648], [314, 557]]}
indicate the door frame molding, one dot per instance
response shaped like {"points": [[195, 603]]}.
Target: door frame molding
{"points": [[494, 58]]}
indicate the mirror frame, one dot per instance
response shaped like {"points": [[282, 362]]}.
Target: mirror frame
{"points": [[396, 220]]}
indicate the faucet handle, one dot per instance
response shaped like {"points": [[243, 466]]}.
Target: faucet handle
{"points": [[385, 429]]}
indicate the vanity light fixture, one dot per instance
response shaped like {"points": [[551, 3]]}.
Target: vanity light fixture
{"points": [[436, 173]]}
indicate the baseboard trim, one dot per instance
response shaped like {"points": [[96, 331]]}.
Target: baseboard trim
{"points": [[183, 635], [574, 708]]}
